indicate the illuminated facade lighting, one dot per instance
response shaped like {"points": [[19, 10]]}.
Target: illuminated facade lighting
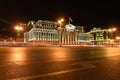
{"points": [[49, 32]]}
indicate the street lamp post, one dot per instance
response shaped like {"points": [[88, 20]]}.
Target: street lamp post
{"points": [[112, 36], [60, 22], [111, 32], [18, 28]]}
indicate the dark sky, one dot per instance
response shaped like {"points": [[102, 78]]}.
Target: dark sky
{"points": [[90, 13]]}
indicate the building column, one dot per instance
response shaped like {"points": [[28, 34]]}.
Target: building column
{"points": [[75, 37], [68, 38], [63, 38], [49, 36], [72, 38], [39, 35], [44, 36]]}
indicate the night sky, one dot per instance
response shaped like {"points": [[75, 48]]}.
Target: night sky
{"points": [[89, 13]]}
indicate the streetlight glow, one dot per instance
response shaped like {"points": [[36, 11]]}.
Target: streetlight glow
{"points": [[109, 30], [60, 21], [114, 29], [118, 38], [18, 28], [112, 32]]}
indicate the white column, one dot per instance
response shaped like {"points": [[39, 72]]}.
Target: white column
{"points": [[65, 38], [75, 37], [47, 35], [50, 37], [39, 35], [62, 38], [68, 38], [42, 35]]}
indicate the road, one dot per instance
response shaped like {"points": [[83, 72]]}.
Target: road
{"points": [[59, 63]]}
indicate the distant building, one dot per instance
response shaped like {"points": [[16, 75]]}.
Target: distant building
{"points": [[48, 32], [41, 31], [84, 38], [68, 34], [98, 36]]}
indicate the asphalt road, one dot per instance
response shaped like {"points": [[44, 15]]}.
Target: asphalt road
{"points": [[59, 63]]}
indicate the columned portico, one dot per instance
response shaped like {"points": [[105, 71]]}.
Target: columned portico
{"points": [[68, 35], [48, 32]]}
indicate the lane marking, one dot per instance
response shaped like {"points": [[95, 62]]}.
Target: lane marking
{"points": [[85, 65]]}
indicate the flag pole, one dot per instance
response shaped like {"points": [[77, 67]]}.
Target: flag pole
{"points": [[70, 20]]}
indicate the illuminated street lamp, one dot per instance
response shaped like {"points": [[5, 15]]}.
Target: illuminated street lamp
{"points": [[118, 38], [18, 28], [114, 29], [111, 31], [60, 23]]}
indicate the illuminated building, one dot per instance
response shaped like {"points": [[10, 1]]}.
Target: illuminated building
{"points": [[41, 31], [48, 32], [98, 36], [68, 34], [84, 38]]}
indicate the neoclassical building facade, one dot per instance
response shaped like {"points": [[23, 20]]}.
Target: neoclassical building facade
{"points": [[49, 32], [99, 36]]}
